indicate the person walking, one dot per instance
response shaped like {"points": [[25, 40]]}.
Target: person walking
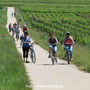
{"points": [[10, 27], [17, 32], [12, 14], [13, 30], [26, 46]]}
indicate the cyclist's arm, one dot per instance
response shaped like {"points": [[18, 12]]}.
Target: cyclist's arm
{"points": [[56, 41], [72, 41], [64, 42], [47, 42]]}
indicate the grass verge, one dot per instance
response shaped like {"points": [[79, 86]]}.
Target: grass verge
{"points": [[12, 71]]}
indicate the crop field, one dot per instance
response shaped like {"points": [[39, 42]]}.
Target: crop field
{"points": [[50, 5], [57, 16], [59, 23]]}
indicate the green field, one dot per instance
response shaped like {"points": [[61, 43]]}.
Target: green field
{"points": [[59, 24], [57, 16], [43, 17], [12, 71]]}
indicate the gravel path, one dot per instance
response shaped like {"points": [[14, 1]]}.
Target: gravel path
{"points": [[45, 76]]}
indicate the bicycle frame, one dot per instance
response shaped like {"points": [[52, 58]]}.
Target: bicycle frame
{"points": [[32, 53], [68, 54], [52, 54]]}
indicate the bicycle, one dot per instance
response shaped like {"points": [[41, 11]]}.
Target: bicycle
{"points": [[68, 54], [52, 56], [32, 53]]}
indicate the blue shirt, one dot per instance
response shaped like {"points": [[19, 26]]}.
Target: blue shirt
{"points": [[26, 40]]}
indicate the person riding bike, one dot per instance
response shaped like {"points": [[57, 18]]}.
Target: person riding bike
{"points": [[52, 41], [68, 42]]}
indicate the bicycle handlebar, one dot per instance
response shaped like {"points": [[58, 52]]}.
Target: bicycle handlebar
{"points": [[52, 44]]}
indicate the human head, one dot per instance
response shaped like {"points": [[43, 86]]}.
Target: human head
{"points": [[67, 34], [51, 34], [24, 25], [26, 34]]}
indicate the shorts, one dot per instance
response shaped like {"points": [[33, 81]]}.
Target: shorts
{"points": [[55, 48], [71, 49]]}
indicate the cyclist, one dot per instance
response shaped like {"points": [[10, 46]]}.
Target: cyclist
{"points": [[24, 28], [68, 42], [52, 41], [10, 27], [26, 46]]}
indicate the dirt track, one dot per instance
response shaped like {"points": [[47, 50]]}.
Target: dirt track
{"points": [[45, 76]]}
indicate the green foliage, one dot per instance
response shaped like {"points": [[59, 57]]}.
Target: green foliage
{"points": [[59, 24]]}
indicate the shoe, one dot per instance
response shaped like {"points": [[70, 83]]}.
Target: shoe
{"points": [[49, 56], [27, 61], [71, 59]]}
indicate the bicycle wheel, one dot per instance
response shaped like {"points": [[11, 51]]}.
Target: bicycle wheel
{"points": [[52, 58], [52, 61], [68, 57], [33, 56]]}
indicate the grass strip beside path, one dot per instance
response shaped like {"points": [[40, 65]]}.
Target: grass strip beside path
{"points": [[12, 71]]}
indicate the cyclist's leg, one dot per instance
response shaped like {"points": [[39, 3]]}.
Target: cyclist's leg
{"points": [[71, 49], [50, 47], [55, 51], [65, 47]]}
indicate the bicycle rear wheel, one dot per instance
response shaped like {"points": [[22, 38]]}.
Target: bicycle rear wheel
{"points": [[52, 58]]}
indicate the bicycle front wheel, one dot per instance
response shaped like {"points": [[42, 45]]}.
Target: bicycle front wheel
{"points": [[68, 57], [33, 56]]}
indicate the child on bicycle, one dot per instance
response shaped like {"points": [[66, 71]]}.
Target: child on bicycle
{"points": [[68, 42], [52, 41]]}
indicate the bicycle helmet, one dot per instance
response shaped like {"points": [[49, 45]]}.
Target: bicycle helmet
{"points": [[67, 33], [24, 25]]}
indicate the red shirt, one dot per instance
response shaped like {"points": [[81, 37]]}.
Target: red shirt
{"points": [[24, 29], [68, 41]]}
